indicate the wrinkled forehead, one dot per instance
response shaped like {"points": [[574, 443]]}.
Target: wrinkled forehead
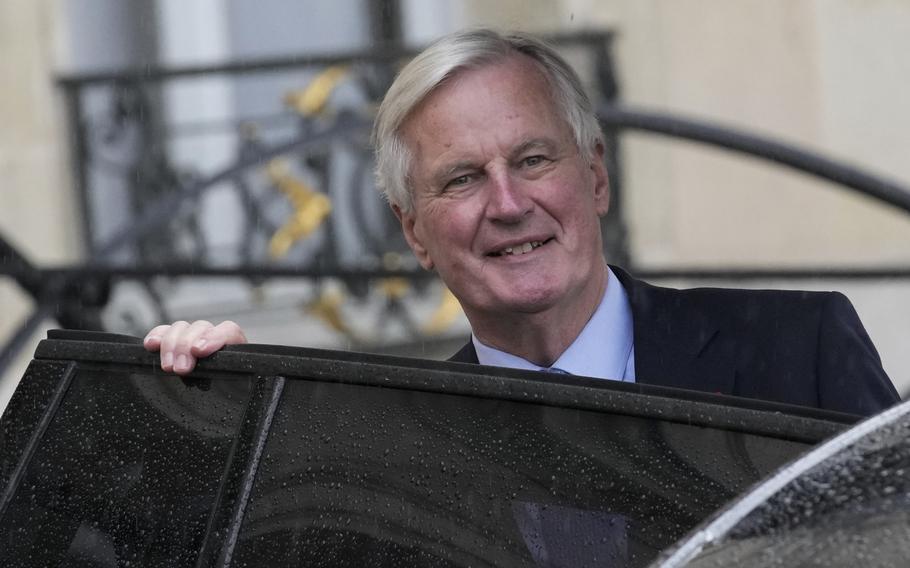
{"points": [[495, 76]]}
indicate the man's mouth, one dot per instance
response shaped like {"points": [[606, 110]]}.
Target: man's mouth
{"points": [[523, 248]]}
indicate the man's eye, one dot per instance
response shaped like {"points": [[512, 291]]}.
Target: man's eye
{"points": [[460, 180], [533, 161]]}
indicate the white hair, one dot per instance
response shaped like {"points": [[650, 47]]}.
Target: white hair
{"points": [[443, 59]]}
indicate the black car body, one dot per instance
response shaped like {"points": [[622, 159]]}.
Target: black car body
{"points": [[271, 456]]}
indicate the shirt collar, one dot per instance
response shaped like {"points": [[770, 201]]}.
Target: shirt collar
{"points": [[603, 348]]}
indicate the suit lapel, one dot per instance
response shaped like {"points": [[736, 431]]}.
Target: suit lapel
{"points": [[679, 341], [466, 354]]}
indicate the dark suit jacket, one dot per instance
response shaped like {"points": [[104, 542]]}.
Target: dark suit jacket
{"points": [[806, 348]]}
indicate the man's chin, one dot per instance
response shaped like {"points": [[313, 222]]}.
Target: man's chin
{"points": [[527, 302]]}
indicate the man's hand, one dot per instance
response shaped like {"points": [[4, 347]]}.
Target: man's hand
{"points": [[182, 343]]}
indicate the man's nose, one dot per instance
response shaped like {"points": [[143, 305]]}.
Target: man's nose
{"points": [[509, 201]]}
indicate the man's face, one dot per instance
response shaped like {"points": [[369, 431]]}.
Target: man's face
{"points": [[506, 209]]}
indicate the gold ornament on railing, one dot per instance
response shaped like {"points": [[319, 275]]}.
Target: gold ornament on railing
{"points": [[314, 99], [310, 208], [327, 307], [444, 316]]}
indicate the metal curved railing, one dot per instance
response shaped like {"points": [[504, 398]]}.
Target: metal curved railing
{"points": [[871, 185]]}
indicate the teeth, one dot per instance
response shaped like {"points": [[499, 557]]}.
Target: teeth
{"points": [[521, 249]]}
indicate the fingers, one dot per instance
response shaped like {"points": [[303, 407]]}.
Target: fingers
{"points": [[225, 333], [176, 344], [181, 344], [175, 349], [152, 340]]}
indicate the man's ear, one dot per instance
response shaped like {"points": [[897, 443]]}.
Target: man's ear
{"points": [[601, 180], [411, 234]]}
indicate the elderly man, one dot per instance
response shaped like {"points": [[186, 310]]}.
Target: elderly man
{"points": [[491, 157]]}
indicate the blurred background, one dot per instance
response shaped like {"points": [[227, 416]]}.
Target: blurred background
{"points": [[165, 160]]}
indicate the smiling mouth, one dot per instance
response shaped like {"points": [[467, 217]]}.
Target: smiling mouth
{"points": [[523, 248]]}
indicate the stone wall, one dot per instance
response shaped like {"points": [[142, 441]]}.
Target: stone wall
{"points": [[37, 209]]}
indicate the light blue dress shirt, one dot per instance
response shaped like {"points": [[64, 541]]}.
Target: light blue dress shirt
{"points": [[603, 349]]}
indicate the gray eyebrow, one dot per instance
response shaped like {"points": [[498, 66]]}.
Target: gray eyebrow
{"points": [[532, 144], [458, 167], [443, 176]]}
